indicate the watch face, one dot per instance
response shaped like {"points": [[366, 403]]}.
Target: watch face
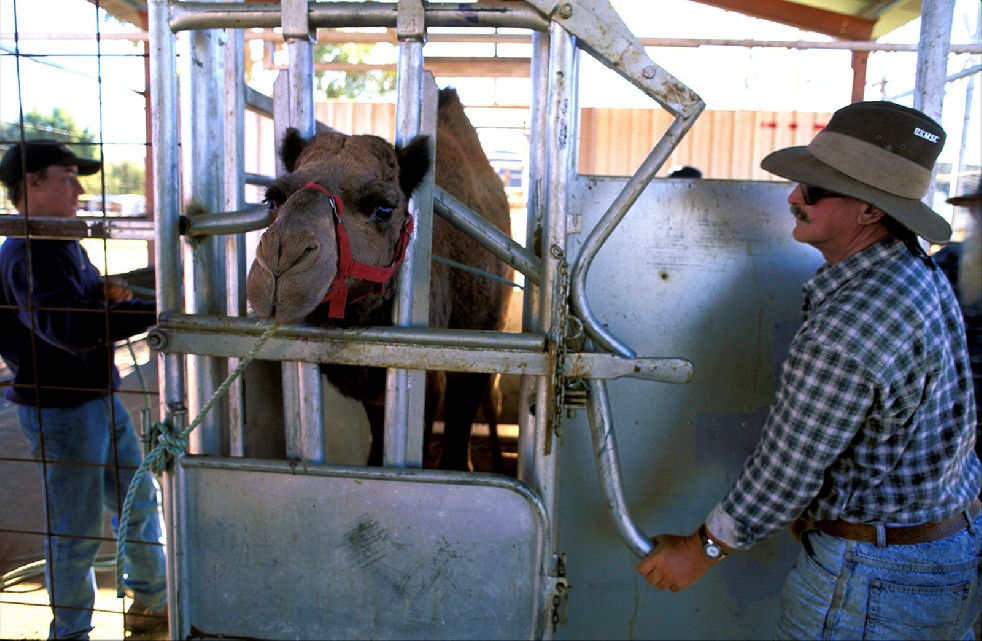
{"points": [[713, 551]]}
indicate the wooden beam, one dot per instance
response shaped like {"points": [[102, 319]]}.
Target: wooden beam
{"points": [[837, 25], [860, 60]]}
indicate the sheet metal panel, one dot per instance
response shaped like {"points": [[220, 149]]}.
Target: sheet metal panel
{"points": [[704, 270], [282, 550]]}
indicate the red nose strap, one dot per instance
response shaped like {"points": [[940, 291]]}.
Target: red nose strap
{"points": [[337, 295]]}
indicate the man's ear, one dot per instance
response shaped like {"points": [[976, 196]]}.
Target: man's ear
{"points": [[870, 215]]}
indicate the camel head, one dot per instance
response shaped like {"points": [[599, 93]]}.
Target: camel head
{"points": [[340, 209]]}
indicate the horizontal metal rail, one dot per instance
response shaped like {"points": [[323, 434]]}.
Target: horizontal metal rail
{"points": [[231, 222], [217, 15], [487, 235], [18, 226], [400, 347]]}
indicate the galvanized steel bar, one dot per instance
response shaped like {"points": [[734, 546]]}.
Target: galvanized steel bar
{"points": [[209, 15], [605, 227], [420, 336], [434, 348], [487, 235], [17, 226], [559, 153], [205, 70], [404, 389], [601, 31], [234, 197], [164, 149], [535, 208], [302, 381], [229, 222], [609, 470]]}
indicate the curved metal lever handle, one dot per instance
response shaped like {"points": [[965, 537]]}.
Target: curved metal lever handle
{"points": [[608, 468]]}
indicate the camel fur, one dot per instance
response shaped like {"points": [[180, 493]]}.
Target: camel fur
{"points": [[297, 257]]}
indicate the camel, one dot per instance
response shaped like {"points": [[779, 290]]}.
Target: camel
{"points": [[365, 182]]}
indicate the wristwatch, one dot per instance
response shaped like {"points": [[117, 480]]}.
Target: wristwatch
{"points": [[710, 547]]}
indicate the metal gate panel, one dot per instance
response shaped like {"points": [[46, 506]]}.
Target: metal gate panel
{"points": [[705, 270], [289, 550]]}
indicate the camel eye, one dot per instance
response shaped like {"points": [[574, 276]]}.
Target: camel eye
{"points": [[383, 214], [274, 197]]}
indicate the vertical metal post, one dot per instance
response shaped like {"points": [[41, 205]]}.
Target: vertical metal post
{"points": [[205, 282], [405, 389], [234, 190], [932, 63], [303, 393], [560, 167], [535, 216], [164, 137], [932, 56]]}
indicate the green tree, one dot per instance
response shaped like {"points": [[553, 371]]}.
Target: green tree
{"points": [[58, 125], [120, 178], [353, 84]]}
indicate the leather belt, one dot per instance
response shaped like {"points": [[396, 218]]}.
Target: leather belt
{"points": [[904, 535]]}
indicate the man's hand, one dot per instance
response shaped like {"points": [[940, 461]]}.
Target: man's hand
{"points": [[676, 562], [118, 290]]}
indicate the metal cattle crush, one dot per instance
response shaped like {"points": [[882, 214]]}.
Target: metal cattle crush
{"points": [[300, 549]]}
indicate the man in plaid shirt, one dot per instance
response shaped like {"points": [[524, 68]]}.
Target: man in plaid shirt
{"points": [[868, 450]]}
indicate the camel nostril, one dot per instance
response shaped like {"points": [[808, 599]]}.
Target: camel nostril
{"points": [[305, 257]]}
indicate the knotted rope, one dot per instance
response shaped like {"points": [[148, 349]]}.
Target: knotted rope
{"points": [[170, 444]]}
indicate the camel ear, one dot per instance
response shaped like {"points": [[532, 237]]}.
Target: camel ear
{"points": [[293, 144], [414, 163]]}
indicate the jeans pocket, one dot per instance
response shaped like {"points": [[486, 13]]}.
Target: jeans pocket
{"points": [[898, 611], [814, 546]]}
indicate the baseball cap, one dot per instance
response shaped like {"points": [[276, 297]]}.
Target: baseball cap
{"points": [[39, 154]]}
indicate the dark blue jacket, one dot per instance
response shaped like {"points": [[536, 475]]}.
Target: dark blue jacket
{"points": [[62, 354]]}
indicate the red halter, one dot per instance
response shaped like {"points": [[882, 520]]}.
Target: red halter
{"points": [[337, 295]]}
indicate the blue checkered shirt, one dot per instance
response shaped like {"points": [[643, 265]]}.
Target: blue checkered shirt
{"points": [[874, 416]]}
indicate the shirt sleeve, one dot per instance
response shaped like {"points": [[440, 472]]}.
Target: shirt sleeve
{"points": [[70, 310], [822, 401]]}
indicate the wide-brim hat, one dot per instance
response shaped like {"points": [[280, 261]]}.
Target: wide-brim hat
{"points": [[38, 154], [971, 195], [879, 152]]}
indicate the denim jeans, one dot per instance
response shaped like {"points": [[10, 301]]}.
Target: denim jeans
{"points": [[842, 589], [87, 456]]}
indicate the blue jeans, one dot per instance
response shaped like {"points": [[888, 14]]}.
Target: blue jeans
{"points": [[842, 589], [87, 456]]}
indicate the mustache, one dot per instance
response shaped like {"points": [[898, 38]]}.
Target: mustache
{"points": [[799, 212]]}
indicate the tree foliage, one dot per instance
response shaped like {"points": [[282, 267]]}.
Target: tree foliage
{"points": [[352, 84], [58, 125], [120, 178]]}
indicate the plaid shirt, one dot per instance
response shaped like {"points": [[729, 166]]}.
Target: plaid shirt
{"points": [[874, 417]]}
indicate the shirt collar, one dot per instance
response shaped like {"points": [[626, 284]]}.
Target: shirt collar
{"points": [[830, 278]]}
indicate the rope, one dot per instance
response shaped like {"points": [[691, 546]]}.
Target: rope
{"points": [[169, 445]]}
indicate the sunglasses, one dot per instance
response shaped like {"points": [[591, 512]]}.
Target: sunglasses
{"points": [[812, 193]]}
